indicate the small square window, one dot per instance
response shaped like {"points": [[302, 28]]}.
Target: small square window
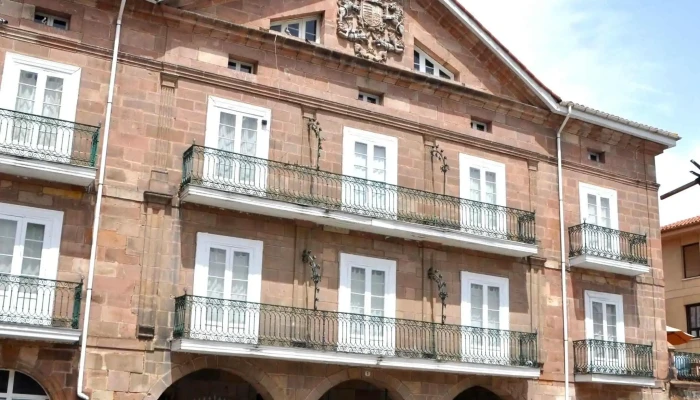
{"points": [[241, 66], [596, 156], [52, 20], [369, 98], [304, 28], [480, 126]]}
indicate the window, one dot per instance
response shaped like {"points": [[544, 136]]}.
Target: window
{"points": [[369, 98], [367, 288], [369, 157], [29, 241], [483, 181], [241, 66], [242, 129], [15, 385], [692, 312], [691, 260], [598, 205], [51, 20], [484, 301], [425, 64], [596, 156], [227, 268], [303, 28], [35, 86], [480, 126], [604, 316]]}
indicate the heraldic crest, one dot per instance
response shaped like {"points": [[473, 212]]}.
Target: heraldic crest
{"points": [[375, 26]]}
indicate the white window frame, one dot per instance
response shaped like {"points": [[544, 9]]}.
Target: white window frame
{"points": [[302, 26], [585, 189], [591, 296], [52, 220], [390, 143], [466, 161], [240, 64], [14, 63], [347, 261], [50, 18], [475, 125], [467, 278], [364, 96], [437, 67], [205, 241]]}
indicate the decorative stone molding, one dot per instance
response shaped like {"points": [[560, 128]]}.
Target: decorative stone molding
{"points": [[375, 26]]}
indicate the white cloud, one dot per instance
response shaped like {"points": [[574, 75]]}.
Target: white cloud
{"points": [[589, 52]]}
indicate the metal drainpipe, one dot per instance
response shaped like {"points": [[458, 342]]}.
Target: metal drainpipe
{"points": [[564, 302], [98, 206]]}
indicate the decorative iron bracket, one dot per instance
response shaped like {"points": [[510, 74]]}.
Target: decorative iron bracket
{"points": [[436, 276], [437, 153], [315, 127], [310, 259]]}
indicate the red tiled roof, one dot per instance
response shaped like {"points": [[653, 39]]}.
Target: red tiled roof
{"points": [[681, 224]]}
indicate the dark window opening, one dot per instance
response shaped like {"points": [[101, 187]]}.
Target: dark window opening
{"points": [[691, 260], [692, 312]]}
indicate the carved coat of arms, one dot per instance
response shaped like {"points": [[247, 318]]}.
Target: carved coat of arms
{"points": [[375, 26]]}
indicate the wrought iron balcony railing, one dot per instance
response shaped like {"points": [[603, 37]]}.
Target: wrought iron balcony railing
{"points": [[252, 176], [253, 323], [592, 356], [48, 139], [687, 366], [594, 240], [41, 302]]}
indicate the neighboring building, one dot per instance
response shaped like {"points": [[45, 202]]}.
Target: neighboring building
{"points": [[314, 199], [681, 261]]}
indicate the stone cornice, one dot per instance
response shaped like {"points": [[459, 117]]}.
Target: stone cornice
{"points": [[307, 101]]}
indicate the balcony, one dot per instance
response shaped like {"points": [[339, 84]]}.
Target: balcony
{"points": [[228, 327], [244, 183], [47, 148], [604, 249], [687, 366], [39, 309], [619, 363]]}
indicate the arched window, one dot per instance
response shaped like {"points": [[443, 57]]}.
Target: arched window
{"points": [[15, 385]]}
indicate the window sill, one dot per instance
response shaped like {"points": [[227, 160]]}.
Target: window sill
{"points": [[691, 278]]}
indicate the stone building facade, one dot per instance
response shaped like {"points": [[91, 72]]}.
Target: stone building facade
{"points": [[293, 209]]}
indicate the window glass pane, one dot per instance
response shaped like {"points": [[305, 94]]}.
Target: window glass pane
{"points": [[293, 29], [691, 260], [416, 61], [217, 271], [8, 230], [611, 314], [372, 100], [246, 68], [227, 131], [597, 311], [490, 187], [4, 380], [494, 307], [605, 212], [357, 290], [26, 91], [429, 68], [477, 304], [310, 31], [33, 245], [52, 97], [239, 290], [26, 385], [444, 75], [60, 24], [592, 209], [474, 184], [361, 160], [276, 27], [379, 173]]}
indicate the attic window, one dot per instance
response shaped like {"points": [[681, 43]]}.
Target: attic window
{"points": [[369, 97], [49, 19], [241, 66], [303, 28], [427, 65], [480, 126], [596, 156]]}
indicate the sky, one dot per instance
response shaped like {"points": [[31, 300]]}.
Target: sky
{"points": [[639, 59]]}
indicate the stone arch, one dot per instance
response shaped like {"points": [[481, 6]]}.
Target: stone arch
{"points": [[396, 388], [489, 384], [261, 381], [53, 388]]}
